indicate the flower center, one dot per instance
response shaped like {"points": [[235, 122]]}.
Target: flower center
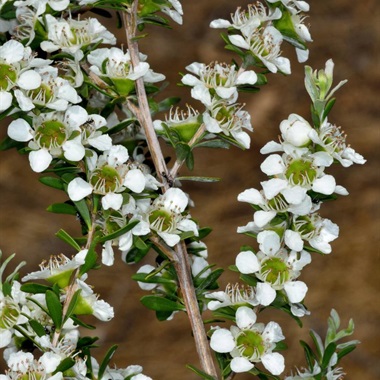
{"points": [[301, 172], [41, 95], [250, 344], [7, 75], [9, 313], [161, 220], [105, 180], [275, 271], [51, 134], [305, 226], [31, 376]]}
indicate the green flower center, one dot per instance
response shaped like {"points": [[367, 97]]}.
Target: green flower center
{"points": [[161, 220], [300, 172], [31, 376], [187, 129], [41, 95], [9, 313], [51, 134], [7, 74], [250, 344], [105, 180], [275, 271]]}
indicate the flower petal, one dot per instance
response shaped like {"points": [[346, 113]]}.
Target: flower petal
{"points": [[78, 189], [222, 341], [247, 262]]}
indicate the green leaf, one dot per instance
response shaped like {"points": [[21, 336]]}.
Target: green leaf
{"points": [[190, 161], [33, 288], [209, 281], [309, 354], [119, 232], [55, 308], [203, 232], [8, 11], [78, 322], [328, 107], [53, 182], [62, 208], [71, 307], [64, 365], [161, 304], [346, 351], [165, 104], [143, 277], [90, 260], [182, 151], [37, 327], [216, 143], [84, 212], [199, 179], [8, 143], [63, 235], [329, 352], [106, 360], [200, 373]]}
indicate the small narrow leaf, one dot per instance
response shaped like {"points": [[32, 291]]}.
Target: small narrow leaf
{"points": [[84, 212], [200, 373], [119, 232], [55, 308], [62, 208], [71, 307], [161, 304], [37, 327], [33, 288], [64, 365], [63, 235], [53, 182], [198, 179], [106, 360]]}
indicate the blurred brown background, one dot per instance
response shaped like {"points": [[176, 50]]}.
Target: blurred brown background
{"points": [[347, 280]]}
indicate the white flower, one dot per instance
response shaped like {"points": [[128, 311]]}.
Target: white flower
{"points": [[71, 35], [166, 219], [265, 44], [216, 80], [247, 21], [249, 342], [295, 130]]}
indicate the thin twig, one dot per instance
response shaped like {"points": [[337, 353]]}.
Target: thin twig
{"points": [[181, 262]]}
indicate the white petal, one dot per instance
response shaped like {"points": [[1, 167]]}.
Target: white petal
{"points": [[222, 341], [211, 124], [324, 185], [107, 254], [118, 154], [273, 187], [147, 268], [293, 240], [295, 194], [135, 180], [175, 200], [269, 242], [262, 218], [112, 200], [302, 55], [273, 332], [170, 239], [29, 80], [103, 142], [78, 189], [201, 93], [140, 70], [73, 149], [126, 242], [23, 101], [242, 138], [274, 363], [241, 364], [12, 51], [273, 165], [188, 225], [190, 80], [247, 262], [20, 130], [220, 23], [295, 290], [247, 77], [5, 100], [245, 317], [225, 92], [50, 361], [141, 229], [102, 310], [265, 294], [40, 160], [251, 196], [271, 147], [238, 41]]}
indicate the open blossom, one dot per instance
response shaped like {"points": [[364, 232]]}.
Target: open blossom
{"points": [[276, 266], [40, 5], [265, 45], [249, 343], [216, 81], [52, 91], [72, 35], [57, 134], [109, 175], [115, 66], [165, 216]]}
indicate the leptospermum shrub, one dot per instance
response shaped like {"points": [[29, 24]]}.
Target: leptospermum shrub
{"points": [[86, 114]]}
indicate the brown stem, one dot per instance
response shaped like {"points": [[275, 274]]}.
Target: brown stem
{"points": [[181, 262]]}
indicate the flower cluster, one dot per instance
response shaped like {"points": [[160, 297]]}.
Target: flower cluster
{"points": [[287, 227]]}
